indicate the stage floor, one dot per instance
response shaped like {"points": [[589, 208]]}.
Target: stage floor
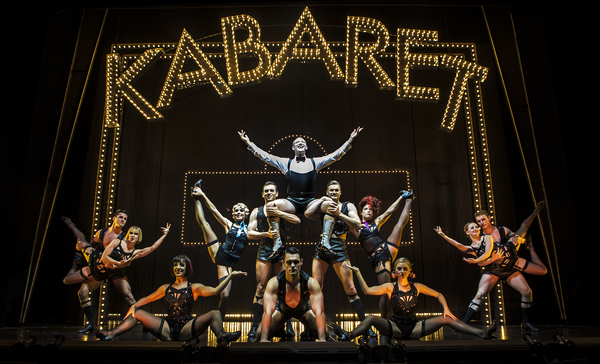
{"points": [[442, 346]]}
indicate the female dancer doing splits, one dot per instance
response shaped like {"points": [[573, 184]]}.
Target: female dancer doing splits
{"points": [[225, 255], [381, 253], [107, 265], [403, 297], [179, 298], [500, 261]]}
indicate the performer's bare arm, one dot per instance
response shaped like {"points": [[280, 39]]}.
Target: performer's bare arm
{"points": [[254, 234]]}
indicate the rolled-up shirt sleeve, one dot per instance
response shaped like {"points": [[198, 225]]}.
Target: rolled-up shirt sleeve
{"points": [[322, 162], [277, 162]]}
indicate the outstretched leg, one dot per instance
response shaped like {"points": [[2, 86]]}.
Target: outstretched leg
{"points": [[396, 234], [529, 220], [431, 325], [210, 238], [153, 324]]}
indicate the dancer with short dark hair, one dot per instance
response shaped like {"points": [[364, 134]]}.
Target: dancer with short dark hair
{"points": [[179, 299]]}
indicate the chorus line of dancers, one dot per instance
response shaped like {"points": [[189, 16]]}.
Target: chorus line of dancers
{"points": [[291, 292]]}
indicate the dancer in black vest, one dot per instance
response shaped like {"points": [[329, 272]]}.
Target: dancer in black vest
{"points": [[224, 254], [268, 257], [293, 294]]}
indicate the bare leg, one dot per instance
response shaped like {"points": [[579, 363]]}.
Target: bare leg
{"points": [[210, 238], [518, 282], [486, 283], [396, 235], [529, 220], [263, 269]]}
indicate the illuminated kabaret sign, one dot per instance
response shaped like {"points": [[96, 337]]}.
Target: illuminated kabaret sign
{"points": [[271, 66]]}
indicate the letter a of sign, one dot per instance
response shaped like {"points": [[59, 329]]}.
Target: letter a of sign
{"points": [[187, 47], [321, 51]]}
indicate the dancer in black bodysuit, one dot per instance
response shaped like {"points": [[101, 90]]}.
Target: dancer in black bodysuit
{"points": [[107, 264], [381, 253], [293, 294], [225, 255], [403, 297], [179, 298]]}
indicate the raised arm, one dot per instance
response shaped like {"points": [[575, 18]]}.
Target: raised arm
{"points": [[140, 253], [225, 222], [381, 219], [433, 293], [459, 246], [322, 162], [318, 307], [269, 305], [201, 290], [277, 162], [385, 288]]}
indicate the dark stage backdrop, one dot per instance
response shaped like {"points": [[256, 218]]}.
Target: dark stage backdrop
{"points": [[400, 147]]}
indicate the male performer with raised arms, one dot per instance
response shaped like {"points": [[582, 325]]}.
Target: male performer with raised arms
{"points": [[293, 293], [344, 216], [300, 171], [262, 228]]}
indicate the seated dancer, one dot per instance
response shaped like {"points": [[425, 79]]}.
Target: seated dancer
{"points": [[268, 256], [300, 171], [497, 252], [225, 255], [381, 253], [293, 294], [179, 297], [107, 264], [346, 218], [102, 238], [403, 297]]}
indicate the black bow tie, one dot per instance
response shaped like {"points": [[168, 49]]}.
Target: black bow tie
{"points": [[300, 159]]}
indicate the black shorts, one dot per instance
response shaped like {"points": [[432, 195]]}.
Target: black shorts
{"points": [[300, 203], [380, 254], [338, 252], [224, 259], [265, 251], [406, 325]]}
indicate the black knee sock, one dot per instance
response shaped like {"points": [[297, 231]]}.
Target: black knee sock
{"points": [[357, 306], [257, 311], [471, 311], [526, 312], [89, 314]]}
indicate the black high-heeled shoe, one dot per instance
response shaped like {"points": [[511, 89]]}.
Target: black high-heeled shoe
{"points": [[342, 334], [489, 332]]}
